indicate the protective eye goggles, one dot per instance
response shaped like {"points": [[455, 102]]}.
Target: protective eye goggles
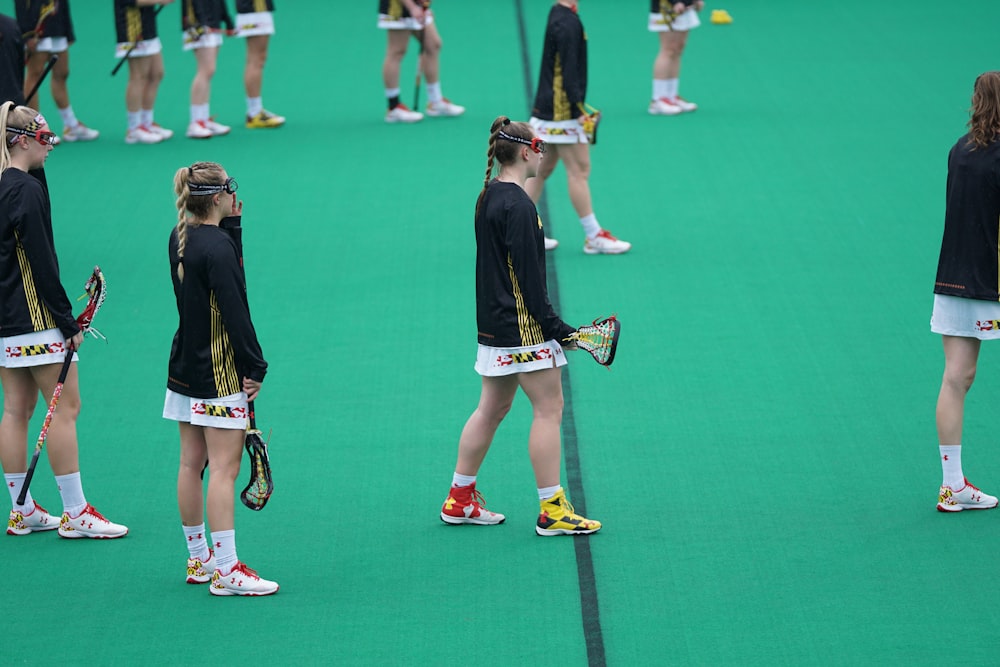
{"points": [[229, 187], [44, 137], [537, 145]]}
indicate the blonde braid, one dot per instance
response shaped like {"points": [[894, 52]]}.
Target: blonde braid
{"points": [[181, 188], [5, 151], [501, 121]]}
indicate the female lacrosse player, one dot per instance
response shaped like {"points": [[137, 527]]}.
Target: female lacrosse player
{"points": [[37, 331], [48, 29], [966, 290], [201, 21], [672, 20], [135, 24], [255, 22], [402, 19], [519, 337], [216, 367], [558, 116]]}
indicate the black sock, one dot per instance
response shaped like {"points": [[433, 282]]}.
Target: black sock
{"points": [[393, 102]]}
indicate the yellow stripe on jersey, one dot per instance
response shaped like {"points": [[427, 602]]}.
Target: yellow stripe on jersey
{"points": [[41, 318], [395, 10], [530, 330], [133, 24], [260, 5], [227, 381], [560, 100]]}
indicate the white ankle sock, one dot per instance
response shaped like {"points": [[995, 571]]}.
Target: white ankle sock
{"points": [[434, 92], [462, 480], [590, 225], [71, 490], [14, 482], [134, 119], [254, 106], [68, 118], [197, 545], [660, 89], [146, 118], [199, 112], [546, 492], [225, 550], [672, 86], [951, 467]]}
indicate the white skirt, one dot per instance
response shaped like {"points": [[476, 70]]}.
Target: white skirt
{"points": [[145, 47], [386, 22], [254, 23], [225, 412], [53, 44], [205, 40], [559, 131], [497, 361], [686, 21], [968, 318], [34, 349]]}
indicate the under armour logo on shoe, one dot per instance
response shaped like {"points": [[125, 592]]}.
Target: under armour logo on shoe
{"points": [[944, 458]]}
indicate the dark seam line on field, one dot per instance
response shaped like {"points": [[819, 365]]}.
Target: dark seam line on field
{"points": [[589, 608]]}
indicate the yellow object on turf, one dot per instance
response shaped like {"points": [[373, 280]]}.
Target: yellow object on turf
{"points": [[721, 16]]}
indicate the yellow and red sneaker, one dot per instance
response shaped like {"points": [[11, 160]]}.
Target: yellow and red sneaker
{"points": [[466, 505], [558, 518]]}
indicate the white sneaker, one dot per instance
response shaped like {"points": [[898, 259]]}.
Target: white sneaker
{"points": [[683, 104], [664, 107], [966, 498], [79, 133], [402, 114], [217, 129], [90, 523], [605, 244], [38, 520], [444, 108], [199, 130], [141, 135], [241, 581], [551, 244], [200, 572], [156, 128]]}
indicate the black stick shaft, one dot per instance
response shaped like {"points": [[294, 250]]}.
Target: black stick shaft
{"points": [[45, 73], [67, 362]]}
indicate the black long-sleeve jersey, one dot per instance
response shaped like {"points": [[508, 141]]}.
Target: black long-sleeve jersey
{"points": [[134, 23], [512, 299], [11, 61], [253, 6], [59, 24], [205, 14], [968, 264], [396, 9], [215, 346], [667, 6], [562, 82], [31, 295]]}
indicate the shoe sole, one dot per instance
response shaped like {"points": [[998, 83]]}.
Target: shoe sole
{"points": [[28, 531], [551, 533], [225, 592], [76, 535], [456, 521], [662, 113], [960, 508], [195, 580], [591, 251]]}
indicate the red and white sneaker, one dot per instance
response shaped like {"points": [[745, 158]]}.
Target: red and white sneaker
{"points": [[38, 520], [605, 243], [90, 523], [664, 107], [164, 132], [199, 571], [402, 114], [466, 505], [967, 498], [217, 129], [199, 130], [683, 104], [444, 108], [241, 581]]}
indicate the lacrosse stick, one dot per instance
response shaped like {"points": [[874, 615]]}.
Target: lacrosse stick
{"points": [[96, 290], [600, 339], [260, 487], [420, 73], [45, 72]]}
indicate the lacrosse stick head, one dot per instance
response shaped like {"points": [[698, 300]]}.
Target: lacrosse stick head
{"points": [[260, 487], [96, 290], [600, 339]]}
